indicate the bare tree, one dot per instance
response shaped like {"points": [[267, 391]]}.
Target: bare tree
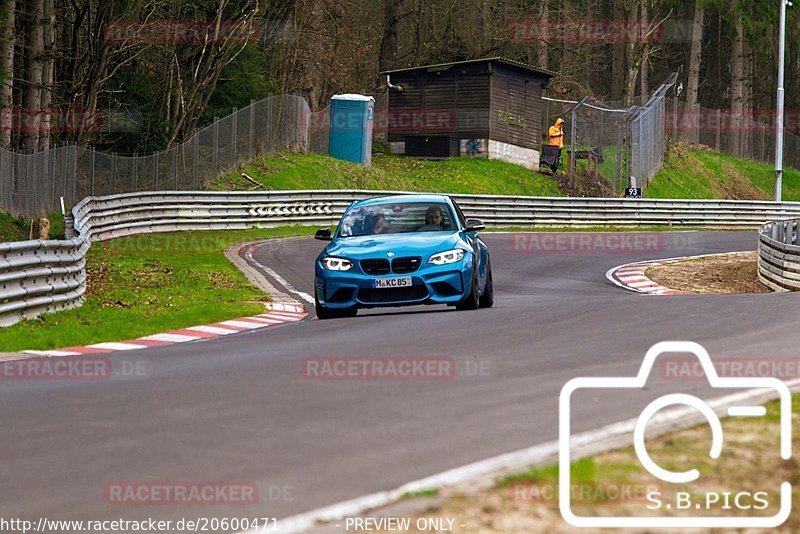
{"points": [[695, 54], [48, 66], [192, 75], [644, 67], [389, 43], [545, 22], [7, 63], [737, 81], [34, 67]]}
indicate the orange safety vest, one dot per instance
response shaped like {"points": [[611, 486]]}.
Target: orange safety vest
{"points": [[556, 137]]}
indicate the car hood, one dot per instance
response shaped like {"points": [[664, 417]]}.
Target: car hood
{"points": [[408, 244]]}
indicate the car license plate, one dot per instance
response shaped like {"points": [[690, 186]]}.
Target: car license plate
{"points": [[391, 282]]}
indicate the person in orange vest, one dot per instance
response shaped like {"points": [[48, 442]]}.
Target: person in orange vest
{"points": [[551, 153], [556, 134]]}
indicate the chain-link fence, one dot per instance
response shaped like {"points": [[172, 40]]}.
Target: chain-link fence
{"points": [[749, 133], [31, 184], [598, 147], [612, 147]]}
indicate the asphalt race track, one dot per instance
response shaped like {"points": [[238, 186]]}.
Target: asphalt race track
{"points": [[239, 408]]}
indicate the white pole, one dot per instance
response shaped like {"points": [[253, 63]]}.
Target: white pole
{"points": [[779, 105]]}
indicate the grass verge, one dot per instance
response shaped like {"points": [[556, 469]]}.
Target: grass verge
{"points": [[288, 171], [18, 229], [689, 172], [147, 284], [614, 483]]}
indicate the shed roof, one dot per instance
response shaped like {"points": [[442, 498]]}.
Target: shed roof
{"points": [[505, 61]]}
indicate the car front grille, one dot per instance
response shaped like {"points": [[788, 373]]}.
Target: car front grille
{"points": [[405, 265], [395, 294], [377, 266]]}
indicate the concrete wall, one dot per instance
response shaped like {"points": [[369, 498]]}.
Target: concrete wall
{"points": [[488, 149], [526, 157]]}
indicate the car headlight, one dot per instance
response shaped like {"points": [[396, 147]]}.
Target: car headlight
{"points": [[448, 256], [336, 264]]}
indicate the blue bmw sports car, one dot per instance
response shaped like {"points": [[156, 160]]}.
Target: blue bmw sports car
{"points": [[401, 251]]}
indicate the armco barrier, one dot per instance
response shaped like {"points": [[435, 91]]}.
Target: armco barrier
{"points": [[779, 255], [42, 276]]}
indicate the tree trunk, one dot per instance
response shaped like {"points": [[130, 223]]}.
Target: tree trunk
{"points": [[633, 52], [695, 55], [747, 100], [544, 21], [7, 65], [48, 33], [644, 68], [618, 73], [388, 59], [31, 90], [737, 87]]}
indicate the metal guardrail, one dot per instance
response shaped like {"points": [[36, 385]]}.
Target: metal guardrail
{"points": [[44, 276], [40, 276], [779, 255]]}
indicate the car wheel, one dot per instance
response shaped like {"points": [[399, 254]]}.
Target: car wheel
{"points": [[487, 299], [471, 301], [329, 313]]}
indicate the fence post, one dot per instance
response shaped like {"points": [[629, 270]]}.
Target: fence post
{"points": [[572, 147], [155, 172], [618, 184], [91, 174], [719, 128], [175, 168], [74, 174], [252, 129], [136, 171], [113, 173], [216, 145], [51, 162], [69, 225], [270, 138], [196, 161], [235, 134]]}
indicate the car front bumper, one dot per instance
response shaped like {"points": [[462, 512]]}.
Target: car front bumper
{"points": [[431, 284]]}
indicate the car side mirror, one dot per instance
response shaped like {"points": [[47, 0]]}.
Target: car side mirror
{"points": [[474, 225], [324, 234]]}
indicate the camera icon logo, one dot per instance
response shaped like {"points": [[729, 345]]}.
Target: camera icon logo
{"points": [[665, 475]]}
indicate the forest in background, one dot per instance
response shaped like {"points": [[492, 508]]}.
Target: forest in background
{"points": [[136, 76]]}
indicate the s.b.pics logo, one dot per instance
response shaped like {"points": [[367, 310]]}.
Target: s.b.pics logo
{"points": [[705, 495]]}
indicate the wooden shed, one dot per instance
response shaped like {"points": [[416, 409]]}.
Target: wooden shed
{"points": [[490, 108]]}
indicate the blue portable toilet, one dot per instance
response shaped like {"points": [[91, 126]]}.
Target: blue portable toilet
{"points": [[350, 137]]}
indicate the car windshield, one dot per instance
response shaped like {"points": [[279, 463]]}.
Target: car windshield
{"points": [[397, 218]]}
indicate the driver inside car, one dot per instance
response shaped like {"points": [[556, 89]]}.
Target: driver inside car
{"points": [[379, 224], [433, 220]]}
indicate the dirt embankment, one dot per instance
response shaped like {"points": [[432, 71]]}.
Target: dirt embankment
{"points": [[729, 273]]}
